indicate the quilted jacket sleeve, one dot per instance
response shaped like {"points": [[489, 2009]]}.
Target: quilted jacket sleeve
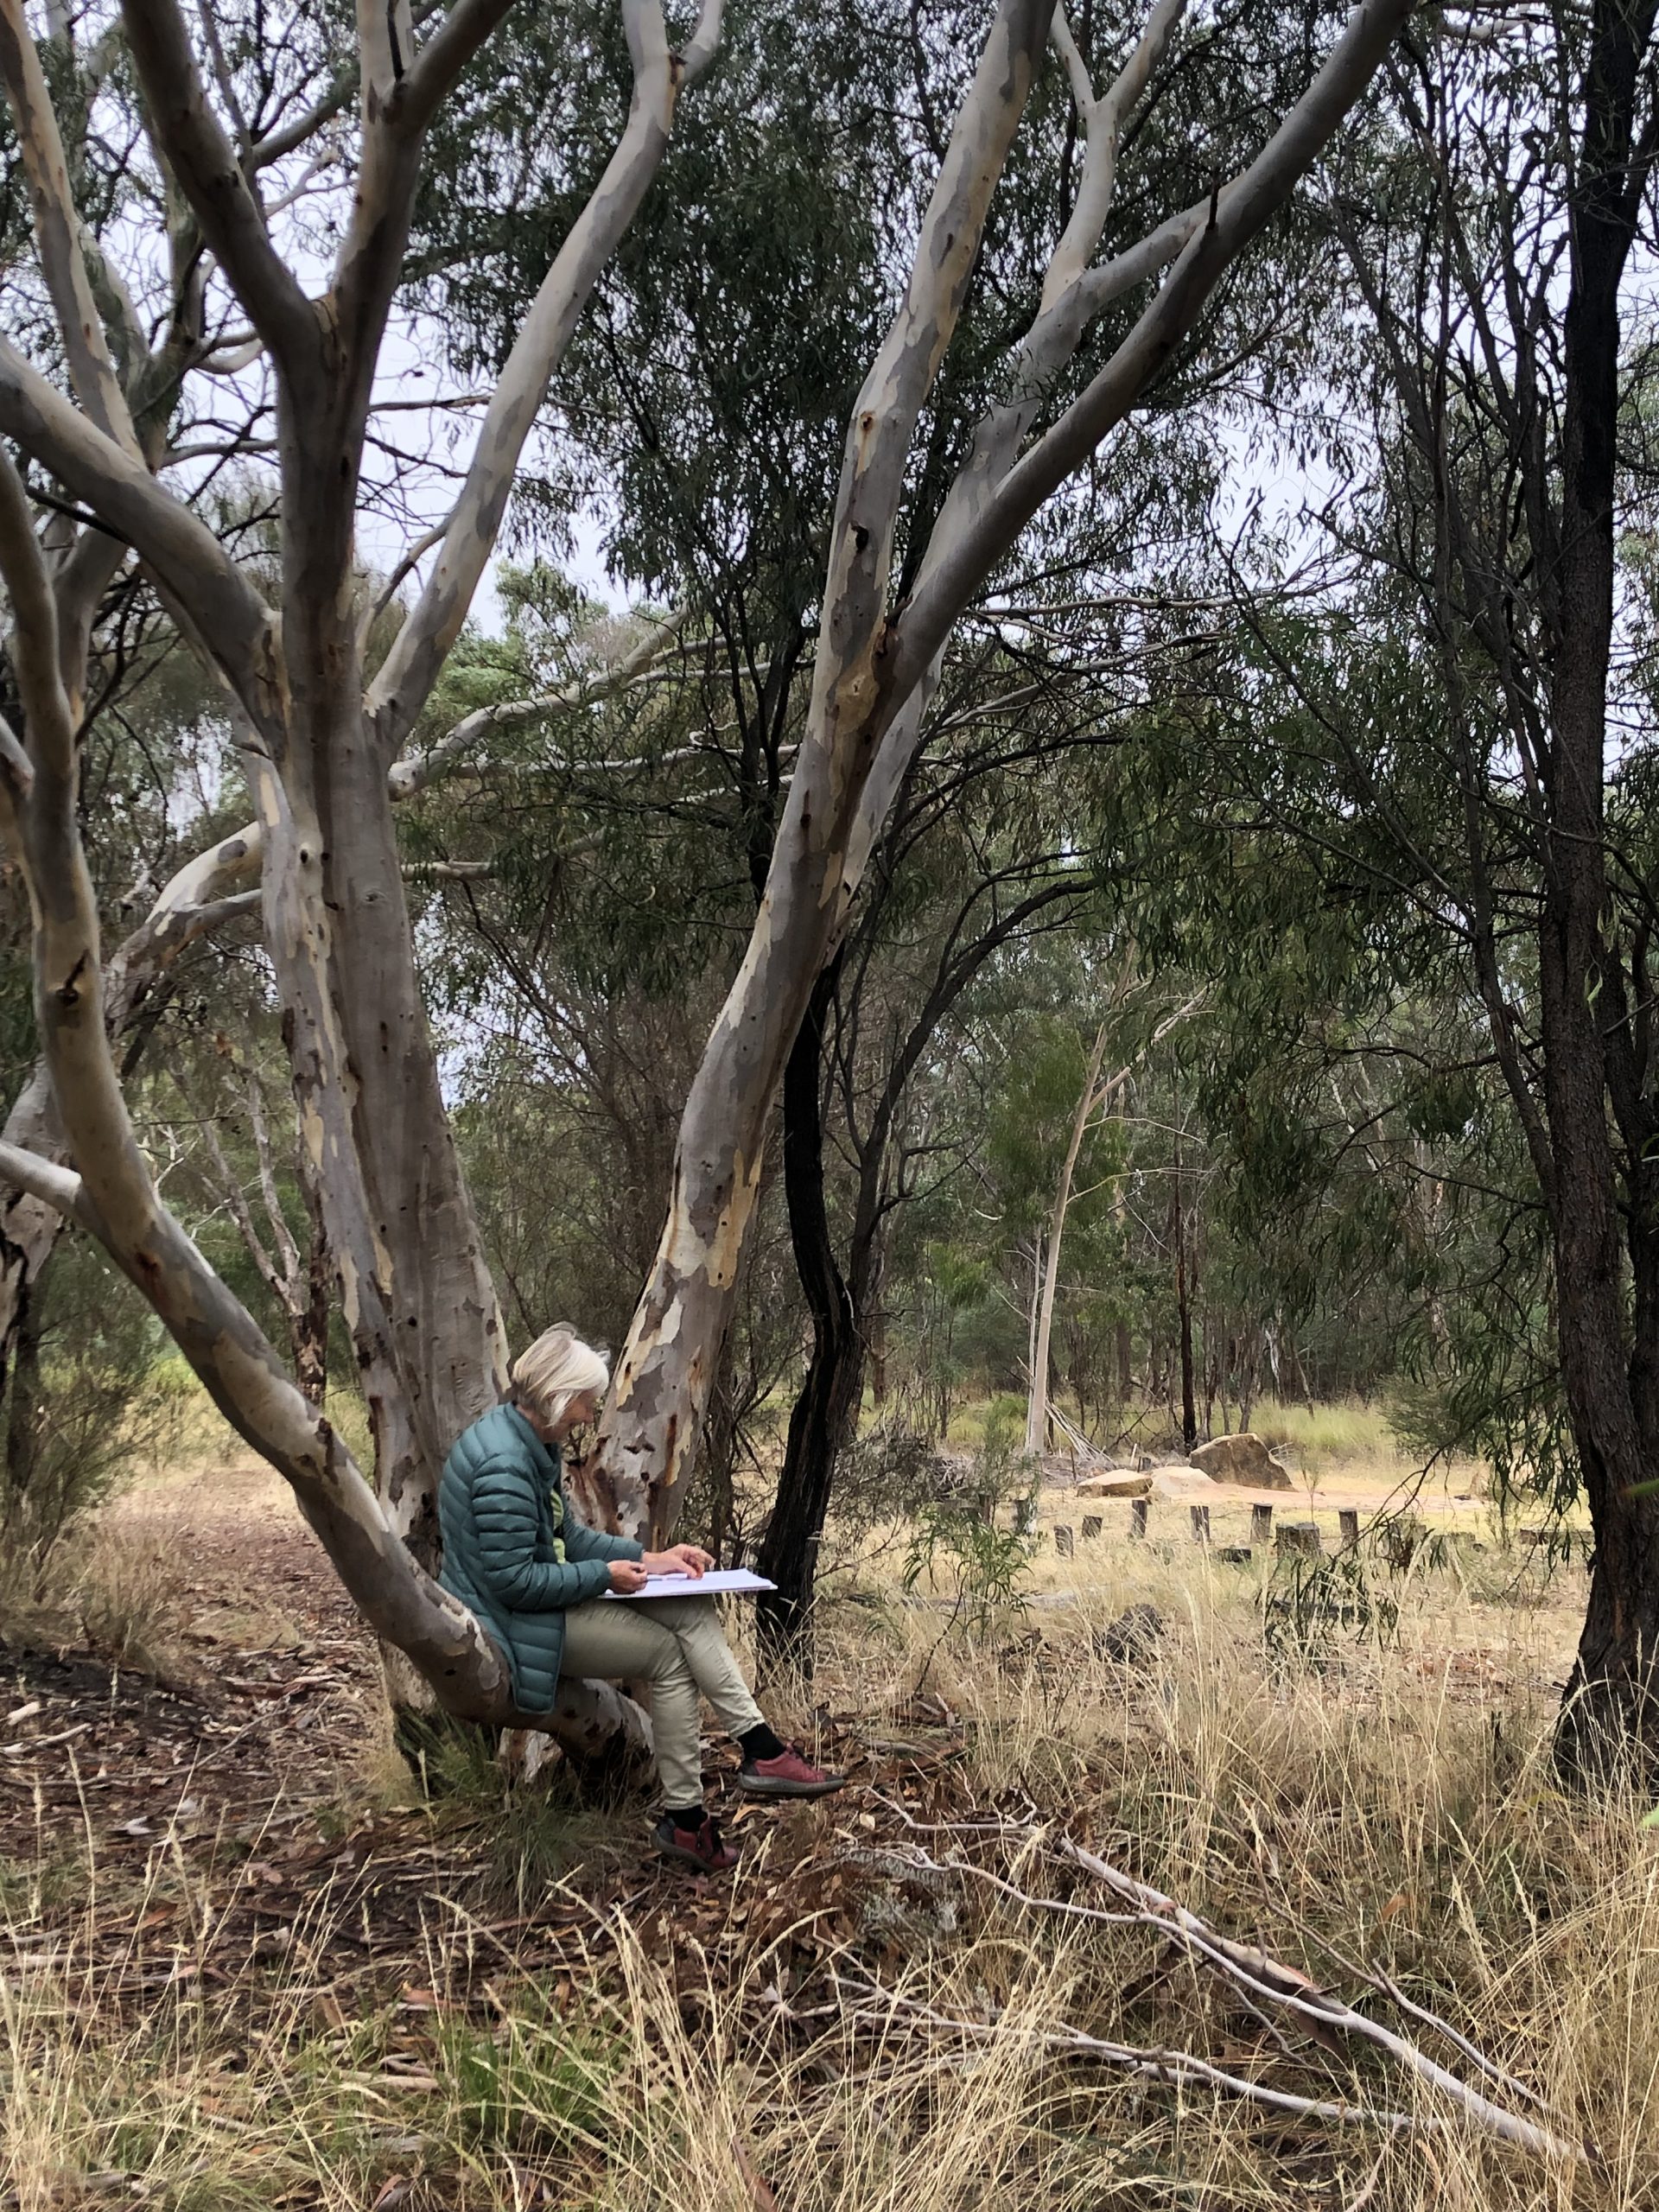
{"points": [[584, 1543], [504, 1515]]}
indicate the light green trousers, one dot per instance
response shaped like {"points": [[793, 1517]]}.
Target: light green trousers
{"points": [[675, 1645]]}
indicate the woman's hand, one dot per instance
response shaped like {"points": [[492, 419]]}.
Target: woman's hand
{"points": [[628, 1575], [679, 1559]]}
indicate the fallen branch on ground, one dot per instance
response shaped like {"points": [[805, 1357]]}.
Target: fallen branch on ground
{"points": [[881, 2008], [1259, 1980]]}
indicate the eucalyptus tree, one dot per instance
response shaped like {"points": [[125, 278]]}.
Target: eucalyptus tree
{"points": [[281, 183], [877, 663], [319, 737], [716, 440]]}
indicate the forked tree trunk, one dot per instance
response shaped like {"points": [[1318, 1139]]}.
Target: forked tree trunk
{"points": [[320, 749], [400, 1230], [650, 1430], [875, 667]]}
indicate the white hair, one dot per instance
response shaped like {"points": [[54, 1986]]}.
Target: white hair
{"points": [[558, 1367]]}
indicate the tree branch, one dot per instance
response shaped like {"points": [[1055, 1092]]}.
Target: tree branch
{"points": [[418, 770], [234, 622], [1073, 294], [57, 231], [211, 178], [440, 62], [411, 669], [1237, 214], [55, 1186]]}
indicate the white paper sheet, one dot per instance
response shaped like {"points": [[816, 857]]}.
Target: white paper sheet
{"points": [[719, 1582]]}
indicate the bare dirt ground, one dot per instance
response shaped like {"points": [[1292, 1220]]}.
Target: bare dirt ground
{"points": [[247, 1809], [264, 1708]]}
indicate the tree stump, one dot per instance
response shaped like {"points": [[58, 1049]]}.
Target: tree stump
{"points": [[1262, 1525], [1298, 1539], [1348, 1522], [1140, 1514], [1200, 1524], [1063, 1543], [1092, 1527], [1025, 1516]]}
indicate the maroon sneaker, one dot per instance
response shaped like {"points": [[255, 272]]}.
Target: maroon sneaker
{"points": [[699, 1847], [787, 1776]]}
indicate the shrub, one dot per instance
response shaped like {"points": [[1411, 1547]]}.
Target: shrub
{"points": [[889, 1473], [87, 1399]]}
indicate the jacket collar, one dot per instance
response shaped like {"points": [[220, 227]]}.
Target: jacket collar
{"points": [[548, 1458]]}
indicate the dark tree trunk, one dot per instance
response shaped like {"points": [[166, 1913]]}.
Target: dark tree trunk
{"points": [[24, 1404], [823, 1413], [1610, 1361]]}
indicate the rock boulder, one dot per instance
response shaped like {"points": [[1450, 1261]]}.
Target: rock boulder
{"points": [[1243, 1459], [1115, 1484]]}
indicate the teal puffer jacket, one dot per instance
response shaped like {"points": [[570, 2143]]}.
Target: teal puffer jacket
{"points": [[513, 1552]]}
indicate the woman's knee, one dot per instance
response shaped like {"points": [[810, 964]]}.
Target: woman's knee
{"points": [[669, 1661]]}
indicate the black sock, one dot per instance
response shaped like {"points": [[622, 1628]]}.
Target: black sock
{"points": [[687, 1816], [760, 1743]]}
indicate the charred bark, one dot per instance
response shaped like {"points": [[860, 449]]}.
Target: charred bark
{"points": [[824, 1409], [24, 1387]]}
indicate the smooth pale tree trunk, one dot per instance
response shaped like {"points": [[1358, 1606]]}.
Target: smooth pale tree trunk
{"points": [[1093, 1094], [1036, 1402], [660, 1391]]}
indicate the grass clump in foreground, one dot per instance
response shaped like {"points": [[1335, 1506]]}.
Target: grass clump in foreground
{"points": [[618, 2038]]}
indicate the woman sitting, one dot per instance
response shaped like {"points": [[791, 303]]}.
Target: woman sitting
{"points": [[516, 1555]]}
